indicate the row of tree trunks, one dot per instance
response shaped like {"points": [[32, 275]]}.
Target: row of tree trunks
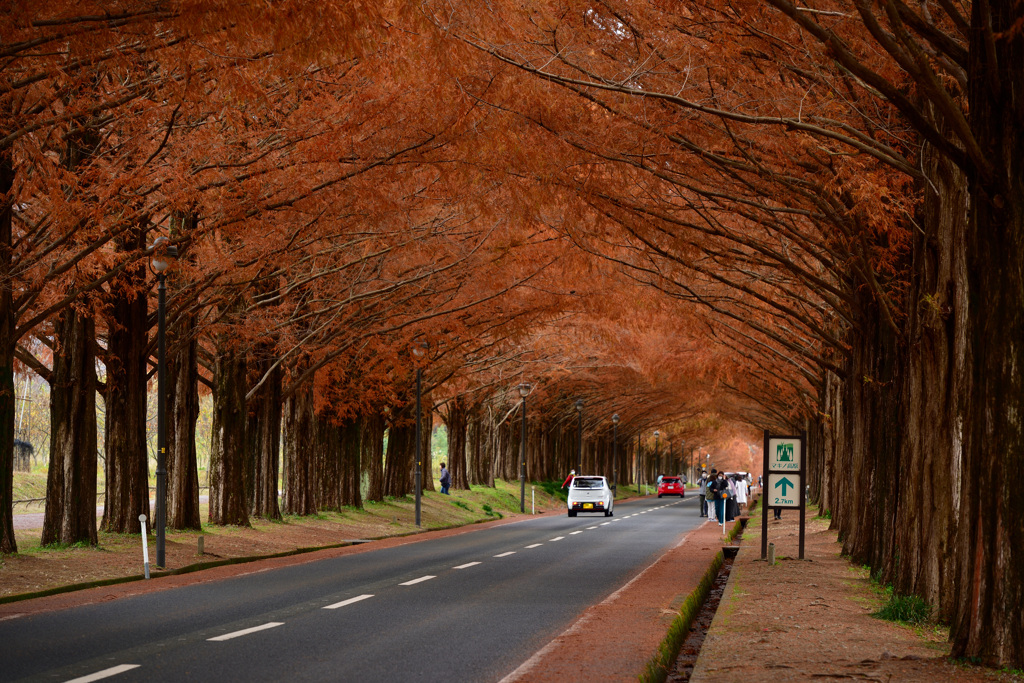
{"points": [[7, 343], [127, 457], [990, 572], [70, 515]]}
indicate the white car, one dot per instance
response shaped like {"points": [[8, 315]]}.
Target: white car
{"points": [[590, 494]]}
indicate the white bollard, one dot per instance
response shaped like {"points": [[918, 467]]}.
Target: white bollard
{"points": [[145, 544], [533, 500]]}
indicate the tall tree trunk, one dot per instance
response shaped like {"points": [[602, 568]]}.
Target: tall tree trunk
{"points": [[933, 403], [372, 454], [7, 344], [350, 433], [127, 457], [70, 515], [183, 402], [264, 433], [398, 462], [299, 452], [456, 425], [328, 463], [988, 622], [227, 448]]}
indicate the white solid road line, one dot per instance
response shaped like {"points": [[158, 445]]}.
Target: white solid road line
{"points": [[535, 545], [558, 538], [247, 631], [468, 564], [106, 673], [510, 552], [575, 532], [349, 601], [419, 580]]}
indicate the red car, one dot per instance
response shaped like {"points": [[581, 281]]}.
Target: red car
{"points": [[671, 486]]}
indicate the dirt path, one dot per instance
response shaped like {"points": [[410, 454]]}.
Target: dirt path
{"points": [[811, 621]]}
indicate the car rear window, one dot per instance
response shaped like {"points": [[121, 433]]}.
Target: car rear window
{"points": [[671, 480], [582, 483]]}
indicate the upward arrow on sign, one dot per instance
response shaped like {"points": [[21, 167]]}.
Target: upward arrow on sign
{"points": [[784, 482]]}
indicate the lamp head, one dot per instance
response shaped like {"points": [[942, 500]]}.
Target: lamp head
{"points": [[615, 418], [579, 405], [524, 389], [656, 433], [419, 350], [163, 256]]}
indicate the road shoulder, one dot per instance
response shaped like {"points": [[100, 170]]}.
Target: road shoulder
{"points": [[616, 638]]}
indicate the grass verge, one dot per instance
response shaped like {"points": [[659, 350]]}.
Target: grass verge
{"points": [[657, 669]]}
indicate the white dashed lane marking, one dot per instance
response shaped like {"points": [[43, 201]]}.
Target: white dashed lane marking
{"points": [[247, 631], [606, 523], [558, 538], [343, 603], [575, 532], [591, 527], [535, 545], [106, 673], [419, 580], [510, 552], [467, 565]]}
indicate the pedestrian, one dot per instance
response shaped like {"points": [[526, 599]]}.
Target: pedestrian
{"points": [[732, 508], [719, 491], [741, 491], [568, 480], [446, 480], [702, 491]]}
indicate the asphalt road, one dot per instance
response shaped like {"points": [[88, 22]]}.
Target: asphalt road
{"points": [[469, 607]]}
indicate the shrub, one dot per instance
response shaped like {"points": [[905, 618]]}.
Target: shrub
{"points": [[909, 609]]}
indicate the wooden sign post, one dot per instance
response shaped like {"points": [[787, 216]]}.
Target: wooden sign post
{"points": [[785, 476]]}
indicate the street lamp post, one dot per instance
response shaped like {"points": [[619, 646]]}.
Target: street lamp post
{"points": [[615, 450], [638, 451], [579, 450], [657, 463], [524, 391], [163, 252], [418, 351]]}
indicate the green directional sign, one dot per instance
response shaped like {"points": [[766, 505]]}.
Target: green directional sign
{"points": [[784, 490], [784, 454]]}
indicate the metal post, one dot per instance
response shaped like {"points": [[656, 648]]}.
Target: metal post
{"points": [[638, 465], [764, 502], [579, 450], [803, 489], [615, 454], [161, 423], [419, 442], [522, 463]]}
